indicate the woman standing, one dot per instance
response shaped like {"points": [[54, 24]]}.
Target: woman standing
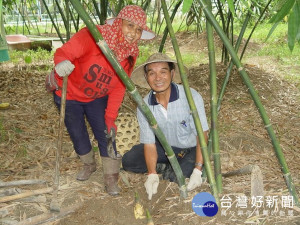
{"points": [[95, 91]]}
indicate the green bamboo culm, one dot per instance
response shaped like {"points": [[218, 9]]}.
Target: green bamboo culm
{"points": [[53, 23], [68, 27], [254, 27], [213, 105], [131, 88], [63, 17], [256, 99], [4, 56], [229, 69], [96, 8], [228, 72], [192, 105], [163, 40]]}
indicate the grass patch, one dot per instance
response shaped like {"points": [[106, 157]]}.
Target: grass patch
{"points": [[30, 56], [276, 45], [261, 32], [189, 59]]}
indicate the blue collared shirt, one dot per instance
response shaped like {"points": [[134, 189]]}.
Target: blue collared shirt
{"points": [[176, 122]]}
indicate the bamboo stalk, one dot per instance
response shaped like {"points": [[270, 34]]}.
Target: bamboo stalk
{"points": [[103, 9], [192, 105], [76, 26], [61, 14], [54, 203], [228, 72], [214, 111], [229, 69], [134, 92], [23, 18], [89, 9], [26, 194], [68, 27], [96, 8], [146, 4], [34, 16], [256, 99], [163, 40], [254, 27], [53, 23], [21, 182]]}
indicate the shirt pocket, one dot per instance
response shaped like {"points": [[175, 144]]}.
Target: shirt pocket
{"points": [[184, 129]]}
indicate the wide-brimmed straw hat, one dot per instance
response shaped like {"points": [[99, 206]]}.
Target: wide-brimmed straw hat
{"points": [[138, 75], [136, 15]]}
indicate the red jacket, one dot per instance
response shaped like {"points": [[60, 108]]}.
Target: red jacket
{"points": [[93, 76]]}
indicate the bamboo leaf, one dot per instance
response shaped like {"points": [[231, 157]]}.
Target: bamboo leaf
{"points": [[297, 16], [231, 6], [272, 30], [247, 4], [279, 5], [186, 5], [282, 12], [292, 31], [293, 25]]}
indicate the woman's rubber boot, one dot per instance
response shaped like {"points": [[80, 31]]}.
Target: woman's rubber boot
{"points": [[111, 169], [89, 166]]}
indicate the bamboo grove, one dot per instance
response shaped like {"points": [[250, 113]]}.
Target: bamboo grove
{"points": [[66, 17]]}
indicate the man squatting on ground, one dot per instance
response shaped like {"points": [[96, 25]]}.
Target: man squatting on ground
{"points": [[168, 103]]}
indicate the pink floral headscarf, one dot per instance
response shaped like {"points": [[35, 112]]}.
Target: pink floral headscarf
{"points": [[112, 32]]}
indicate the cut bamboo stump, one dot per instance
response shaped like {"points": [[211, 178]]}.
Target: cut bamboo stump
{"points": [[257, 186]]}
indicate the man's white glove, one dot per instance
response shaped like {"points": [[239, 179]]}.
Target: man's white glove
{"points": [[151, 185], [64, 68], [195, 180]]}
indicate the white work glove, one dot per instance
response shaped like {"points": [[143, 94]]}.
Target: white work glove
{"points": [[151, 185], [64, 68], [195, 180]]}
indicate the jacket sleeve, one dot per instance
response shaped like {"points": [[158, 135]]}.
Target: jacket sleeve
{"points": [[116, 95], [79, 45]]}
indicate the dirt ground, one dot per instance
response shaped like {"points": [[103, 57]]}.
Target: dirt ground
{"points": [[29, 131]]}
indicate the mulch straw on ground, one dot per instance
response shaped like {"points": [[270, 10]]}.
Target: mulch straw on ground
{"points": [[28, 142]]}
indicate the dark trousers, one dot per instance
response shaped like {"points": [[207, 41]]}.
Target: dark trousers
{"points": [[93, 111], [134, 161]]}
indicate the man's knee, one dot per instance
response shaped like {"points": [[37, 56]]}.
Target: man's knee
{"points": [[125, 161], [134, 161]]}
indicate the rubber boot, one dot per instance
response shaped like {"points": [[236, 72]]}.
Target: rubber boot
{"points": [[111, 169], [89, 166]]}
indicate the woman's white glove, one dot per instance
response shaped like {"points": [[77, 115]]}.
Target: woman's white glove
{"points": [[64, 68], [195, 180], [151, 185]]}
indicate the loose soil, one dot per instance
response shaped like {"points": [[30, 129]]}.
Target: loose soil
{"points": [[28, 142]]}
